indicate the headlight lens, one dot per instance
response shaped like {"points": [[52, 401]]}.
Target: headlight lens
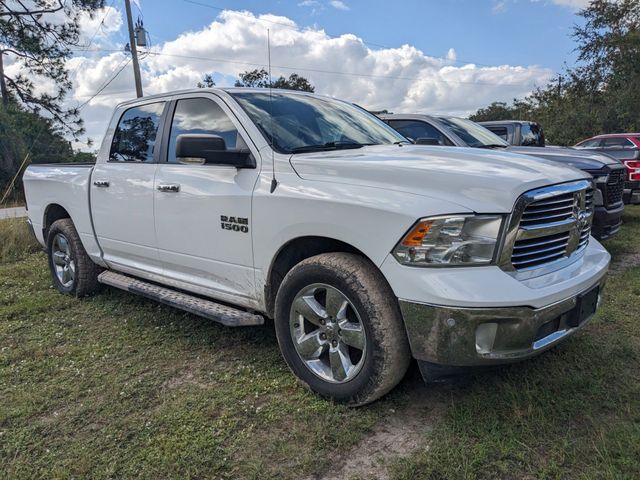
{"points": [[450, 240]]}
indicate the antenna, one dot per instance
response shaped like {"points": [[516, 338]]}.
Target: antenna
{"points": [[274, 182]]}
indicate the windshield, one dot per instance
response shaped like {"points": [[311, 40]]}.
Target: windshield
{"points": [[474, 135], [303, 123]]}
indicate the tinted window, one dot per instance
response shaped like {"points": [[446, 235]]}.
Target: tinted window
{"points": [[532, 135], [204, 116], [135, 135], [296, 123], [594, 142], [416, 129], [619, 142], [471, 133], [500, 131]]}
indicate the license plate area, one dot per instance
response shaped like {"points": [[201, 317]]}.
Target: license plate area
{"points": [[587, 304]]}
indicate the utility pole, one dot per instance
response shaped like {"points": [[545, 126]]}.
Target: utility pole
{"points": [[134, 51], [3, 83]]}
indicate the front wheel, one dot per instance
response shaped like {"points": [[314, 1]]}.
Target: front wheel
{"points": [[72, 271], [340, 329]]}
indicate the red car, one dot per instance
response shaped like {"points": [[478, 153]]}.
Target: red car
{"points": [[626, 148]]}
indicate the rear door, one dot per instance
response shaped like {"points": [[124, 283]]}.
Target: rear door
{"points": [[122, 190], [203, 221]]}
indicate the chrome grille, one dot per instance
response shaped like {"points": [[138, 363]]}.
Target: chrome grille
{"points": [[529, 253], [546, 211], [548, 225]]}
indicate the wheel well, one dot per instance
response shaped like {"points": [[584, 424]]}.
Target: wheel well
{"points": [[294, 252], [53, 213]]}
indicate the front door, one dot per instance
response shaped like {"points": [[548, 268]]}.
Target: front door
{"points": [[203, 211], [122, 191]]}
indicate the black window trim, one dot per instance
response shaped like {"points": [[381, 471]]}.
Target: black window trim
{"points": [[159, 133]]}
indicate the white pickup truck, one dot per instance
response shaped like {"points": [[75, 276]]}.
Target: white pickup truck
{"points": [[240, 205]]}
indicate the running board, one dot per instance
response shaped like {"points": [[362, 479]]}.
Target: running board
{"points": [[223, 314]]}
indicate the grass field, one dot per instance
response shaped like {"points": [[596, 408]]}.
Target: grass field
{"points": [[117, 387]]}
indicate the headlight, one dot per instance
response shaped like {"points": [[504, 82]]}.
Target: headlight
{"points": [[601, 178], [450, 240]]}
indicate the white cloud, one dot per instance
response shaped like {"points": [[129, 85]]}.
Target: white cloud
{"points": [[573, 4], [499, 6], [339, 4], [401, 79], [100, 25], [576, 4]]}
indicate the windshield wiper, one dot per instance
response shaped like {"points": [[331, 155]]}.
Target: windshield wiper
{"points": [[491, 145], [327, 146]]}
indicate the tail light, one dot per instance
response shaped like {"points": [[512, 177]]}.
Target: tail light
{"points": [[633, 170]]}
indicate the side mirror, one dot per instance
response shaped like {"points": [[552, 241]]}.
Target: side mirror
{"points": [[210, 149], [427, 141]]}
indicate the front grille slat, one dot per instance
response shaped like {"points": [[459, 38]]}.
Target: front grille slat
{"points": [[534, 262], [614, 187], [528, 253], [552, 212]]}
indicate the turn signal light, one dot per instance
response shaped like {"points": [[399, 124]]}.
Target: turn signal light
{"points": [[416, 235]]}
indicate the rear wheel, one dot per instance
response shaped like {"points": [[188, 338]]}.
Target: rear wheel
{"points": [[340, 329], [72, 271]]}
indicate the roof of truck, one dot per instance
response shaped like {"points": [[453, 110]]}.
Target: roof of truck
{"points": [[217, 89], [506, 122], [609, 135]]}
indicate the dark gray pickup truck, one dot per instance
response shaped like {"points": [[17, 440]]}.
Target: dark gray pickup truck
{"points": [[608, 173], [517, 132]]}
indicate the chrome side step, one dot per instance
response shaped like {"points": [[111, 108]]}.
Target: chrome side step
{"points": [[223, 314]]}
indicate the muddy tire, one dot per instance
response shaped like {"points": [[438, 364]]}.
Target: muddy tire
{"points": [[340, 329], [72, 271]]}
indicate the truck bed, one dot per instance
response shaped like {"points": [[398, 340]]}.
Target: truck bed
{"points": [[49, 187]]}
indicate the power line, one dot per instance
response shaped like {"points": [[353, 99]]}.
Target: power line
{"points": [[331, 72], [317, 70], [105, 85]]}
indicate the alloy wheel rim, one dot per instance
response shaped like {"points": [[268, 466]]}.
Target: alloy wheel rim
{"points": [[327, 333], [63, 264]]}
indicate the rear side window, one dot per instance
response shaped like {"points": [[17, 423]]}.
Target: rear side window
{"points": [[618, 142], [532, 135], [594, 142], [416, 129], [135, 136], [499, 131], [204, 116]]}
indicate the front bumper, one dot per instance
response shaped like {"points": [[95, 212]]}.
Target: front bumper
{"points": [[631, 193], [444, 309], [607, 222], [464, 337]]}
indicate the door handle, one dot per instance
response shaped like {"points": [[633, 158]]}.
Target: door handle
{"points": [[101, 183], [170, 187]]}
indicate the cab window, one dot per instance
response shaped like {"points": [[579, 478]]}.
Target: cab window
{"points": [[203, 116], [135, 136], [502, 132], [532, 135], [416, 129]]}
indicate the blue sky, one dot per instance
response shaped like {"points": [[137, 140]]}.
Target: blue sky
{"points": [[432, 56], [488, 32]]}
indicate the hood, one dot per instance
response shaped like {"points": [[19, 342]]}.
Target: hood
{"points": [[486, 181], [584, 160]]}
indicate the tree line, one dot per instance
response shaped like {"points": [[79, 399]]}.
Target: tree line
{"points": [[601, 94]]}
